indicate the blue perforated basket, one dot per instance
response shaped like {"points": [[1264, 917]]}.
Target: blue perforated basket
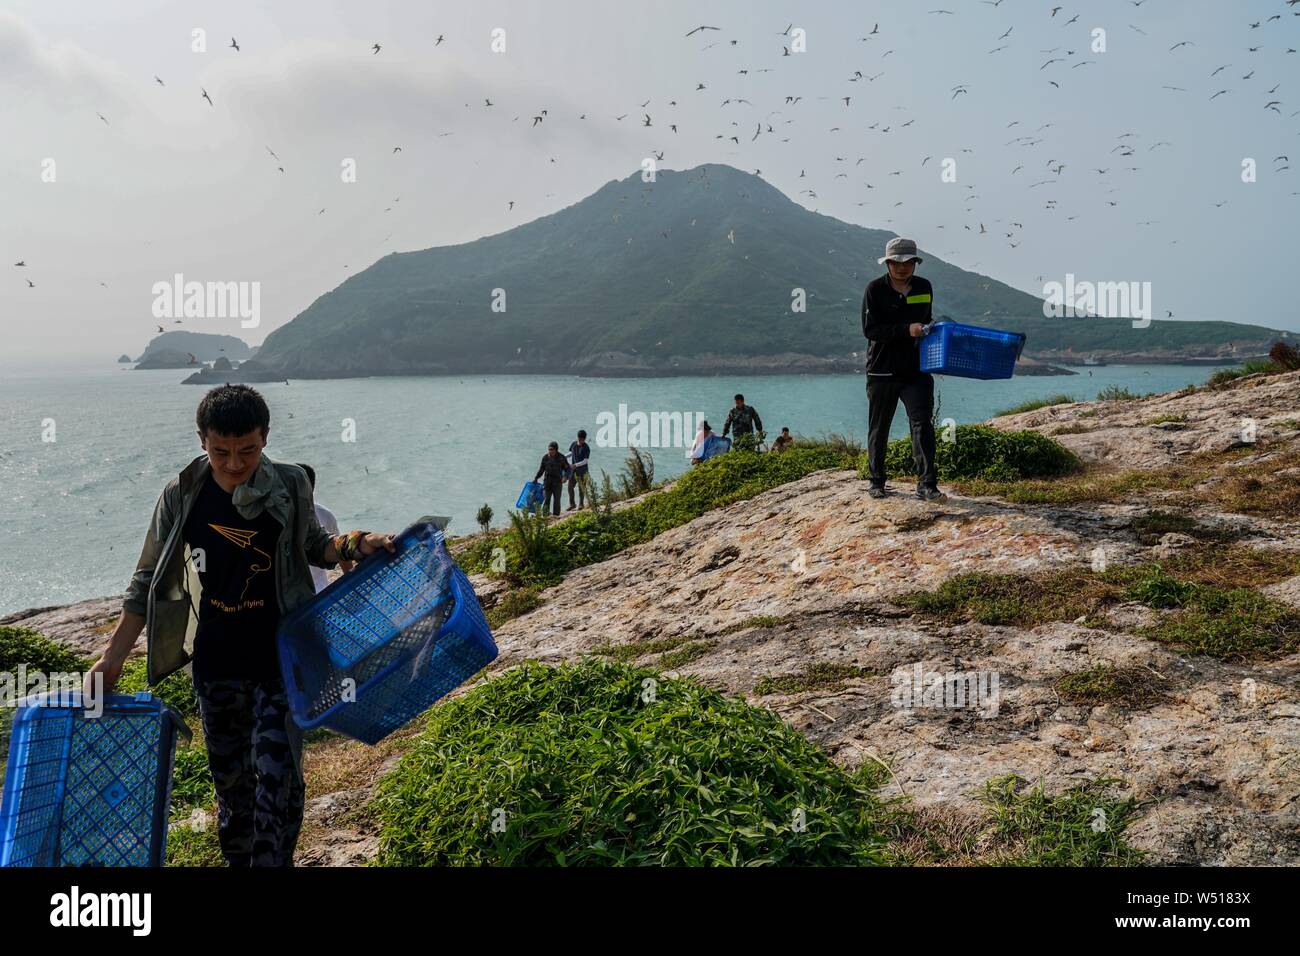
{"points": [[86, 790], [386, 640], [968, 351], [532, 495]]}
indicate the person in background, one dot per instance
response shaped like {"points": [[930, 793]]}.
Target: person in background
{"points": [[708, 444], [556, 469], [896, 312], [225, 556], [742, 419], [579, 454], [330, 524], [783, 441]]}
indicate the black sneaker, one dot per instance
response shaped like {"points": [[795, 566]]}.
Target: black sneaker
{"points": [[931, 494], [876, 491]]}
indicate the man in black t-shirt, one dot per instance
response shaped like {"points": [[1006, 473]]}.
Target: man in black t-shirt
{"points": [[228, 552]]}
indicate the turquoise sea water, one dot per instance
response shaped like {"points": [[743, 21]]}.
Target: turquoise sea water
{"points": [[74, 510]]}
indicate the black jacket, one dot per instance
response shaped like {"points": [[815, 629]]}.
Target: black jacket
{"points": [[886, 315], [554, 467]]}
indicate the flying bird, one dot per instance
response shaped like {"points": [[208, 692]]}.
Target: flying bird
{"points": [[234, 44], [206, 97], [698, 29]]}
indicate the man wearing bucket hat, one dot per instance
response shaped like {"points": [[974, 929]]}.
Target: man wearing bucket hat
{"points": [[895, 314]]}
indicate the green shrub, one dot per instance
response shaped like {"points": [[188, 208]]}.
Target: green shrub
{"points": [[483, 517], [638, 474], [1035, 403], [22, 645], [176, 689], [538, 553], [512, 604], [981, 452], [576, 765], [1116, 393]]}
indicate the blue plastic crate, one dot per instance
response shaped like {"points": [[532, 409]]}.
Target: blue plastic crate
{"points": [[381, 644], [968, 351], [531, 497], [85, 790]]}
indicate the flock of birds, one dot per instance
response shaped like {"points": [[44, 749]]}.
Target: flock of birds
{"points": [[1042, 158]]}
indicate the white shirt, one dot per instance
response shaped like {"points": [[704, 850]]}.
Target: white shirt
{"points": [[327, 521]]}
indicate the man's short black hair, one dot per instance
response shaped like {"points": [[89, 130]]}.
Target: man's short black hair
{"points": [[233, 410], [553, 445], [311, 474], [739, 397], [582, 434]]}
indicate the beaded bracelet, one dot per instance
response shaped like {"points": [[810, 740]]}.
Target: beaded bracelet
{"points": [[348, 545]]}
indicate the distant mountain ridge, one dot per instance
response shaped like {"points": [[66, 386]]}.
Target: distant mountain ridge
{"points": [[205, 346], [693, 273]]}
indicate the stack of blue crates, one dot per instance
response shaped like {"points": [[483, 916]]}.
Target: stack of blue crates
{"points": [[386, 640], [89, 789], [969, 351]]}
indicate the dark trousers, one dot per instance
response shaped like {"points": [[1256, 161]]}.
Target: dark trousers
{"points": [[581, 481], [255, 752], [917, 393], [551, 490]]}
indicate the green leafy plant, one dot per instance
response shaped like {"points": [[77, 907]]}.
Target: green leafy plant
{"points": [[638, 474], [599, 764], [982, 452], [1083, 826], [484, 517]]}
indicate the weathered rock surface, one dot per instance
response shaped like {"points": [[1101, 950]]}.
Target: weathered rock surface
{"points": [[1216, 760], [1122, 433]]}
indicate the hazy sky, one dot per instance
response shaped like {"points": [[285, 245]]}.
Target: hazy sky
{"points": [[166, 183]]}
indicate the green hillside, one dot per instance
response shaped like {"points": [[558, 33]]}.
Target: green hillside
{"points": [[649, 274]]}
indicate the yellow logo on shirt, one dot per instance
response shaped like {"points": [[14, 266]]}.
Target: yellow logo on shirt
{"points": [[243, 538]]}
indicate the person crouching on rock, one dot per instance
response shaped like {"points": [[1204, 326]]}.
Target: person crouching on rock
{"points": [[895, 314], [229, 552], [557, 470]]}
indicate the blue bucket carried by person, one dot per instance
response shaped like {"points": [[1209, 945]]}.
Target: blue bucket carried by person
{"points": [[531, 497], [385, 641], [89, 785], [969, 351]]}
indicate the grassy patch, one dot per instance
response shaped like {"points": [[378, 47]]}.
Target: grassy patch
{"points": [[541, 553], [1228, 622], [761, 620], [514, 603], [1259, 489], [191, 778], [824, 675], [1255, 366], [1083, 826], [1035, 403], [1167, 419], [1150, 526], [1134, 688], [576, 765], [981, 452], [672, 660], [186, 847], [175, 690], [1116, 393], [1071, 429], [625, 653]]}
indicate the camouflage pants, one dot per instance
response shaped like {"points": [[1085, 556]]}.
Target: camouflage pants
{"points": [[255, 752]]}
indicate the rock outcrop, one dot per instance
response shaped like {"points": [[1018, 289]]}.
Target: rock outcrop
{"points": [[811, 573]]}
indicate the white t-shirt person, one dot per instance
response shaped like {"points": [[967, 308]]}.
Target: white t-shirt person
{"points": [[330, 524]]}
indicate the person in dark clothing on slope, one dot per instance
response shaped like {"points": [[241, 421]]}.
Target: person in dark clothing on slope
{"points": [[742, 419], [556, 469], [896, 312], [579, 454]]}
